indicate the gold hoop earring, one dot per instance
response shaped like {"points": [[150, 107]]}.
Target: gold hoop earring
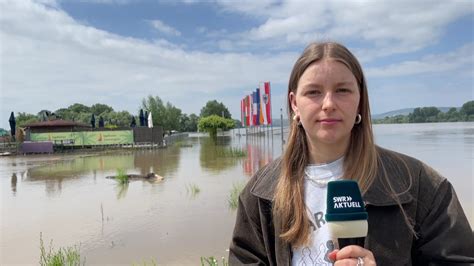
{"points": [[358, 119], [297, 119]]}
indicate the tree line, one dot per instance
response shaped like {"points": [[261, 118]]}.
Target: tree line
{"points": [[166, 115], [432, 114]]}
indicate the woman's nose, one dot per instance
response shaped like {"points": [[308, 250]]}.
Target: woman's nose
{"points": [[328, 102]]}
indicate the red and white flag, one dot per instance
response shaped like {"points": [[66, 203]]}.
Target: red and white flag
{"points": [[265, 103]]}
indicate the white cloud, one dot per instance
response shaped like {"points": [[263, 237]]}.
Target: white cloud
{"points": [[162, 27], [390, 27], [49, 60], [462, 58]]}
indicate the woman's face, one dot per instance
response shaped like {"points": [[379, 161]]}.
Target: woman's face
{"points": [[327, 101]]}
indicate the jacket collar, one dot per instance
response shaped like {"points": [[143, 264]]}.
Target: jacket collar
{"points": [[377, 194]]}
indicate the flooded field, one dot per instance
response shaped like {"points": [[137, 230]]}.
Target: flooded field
{"points": [[187, 215]]}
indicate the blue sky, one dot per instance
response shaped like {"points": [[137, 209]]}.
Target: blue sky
{"points": [[56, 53]]}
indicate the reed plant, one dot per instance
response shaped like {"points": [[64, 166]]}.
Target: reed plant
{"points": [[145, 263], [122, 176], [68, 256], [192, 189], [232, 152], [182, 144], [211, 261], [233, 199]]}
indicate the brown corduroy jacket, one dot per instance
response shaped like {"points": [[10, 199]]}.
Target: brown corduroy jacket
{"points": [[444, 234]]}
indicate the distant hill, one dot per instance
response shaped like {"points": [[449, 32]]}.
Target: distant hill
{"points": [[406, 111]]}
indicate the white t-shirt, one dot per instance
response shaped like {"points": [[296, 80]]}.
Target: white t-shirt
{"points": [[322, 243]]}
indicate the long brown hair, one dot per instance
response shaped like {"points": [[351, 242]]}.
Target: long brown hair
{"points": [[360, 158]]}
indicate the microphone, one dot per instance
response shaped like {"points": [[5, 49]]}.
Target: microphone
{"points": [[345, 214]]}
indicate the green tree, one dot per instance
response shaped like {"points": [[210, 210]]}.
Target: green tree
{"points": [[215, 108], [79, 108], [452, 115], [156, 107], [468, 108], [172, 117], [100, 108], [212, 123], [424, 114], [23, 119], [44, 115], [188, 123], [168, 116], [63, 113], [116, 119]]}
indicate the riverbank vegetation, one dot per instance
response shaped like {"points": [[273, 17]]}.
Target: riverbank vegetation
{"points": [[212, 123], [68, 256], [231, 152], [122, 177], [234, 195], [166, 115], [211, 261], [432, 114]]}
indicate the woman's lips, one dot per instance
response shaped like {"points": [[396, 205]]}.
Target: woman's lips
{"points": [[329, 121]]}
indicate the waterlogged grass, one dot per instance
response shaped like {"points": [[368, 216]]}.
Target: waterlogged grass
{"points": [[183, 144], [211, 261], [231, 152], [145, 263], [192, 189], [69, 256], [234, 195], [122, 177]]}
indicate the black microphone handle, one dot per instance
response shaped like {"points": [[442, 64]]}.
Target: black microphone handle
{"points": [[359, 241]]}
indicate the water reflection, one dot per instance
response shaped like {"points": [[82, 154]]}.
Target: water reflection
{"points": [[122, 190], [259, 153], [210, 154], [13, 183], [120, 224], [163, 162]]}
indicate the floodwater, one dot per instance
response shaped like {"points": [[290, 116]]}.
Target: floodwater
{"points": [[67, 198]]}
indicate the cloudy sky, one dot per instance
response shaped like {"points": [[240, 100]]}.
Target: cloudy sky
{"points": [[56, 53]]}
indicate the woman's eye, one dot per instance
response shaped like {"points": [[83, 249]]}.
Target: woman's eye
{"points": [[313, 92], [343, 90]]}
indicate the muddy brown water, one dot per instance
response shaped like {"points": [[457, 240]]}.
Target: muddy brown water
{"points": [[68, 199]]}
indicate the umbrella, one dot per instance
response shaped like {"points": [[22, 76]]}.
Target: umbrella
{"points": [[101, 121], [93, 121], [150, 121], [133, 123], [142, 118], [145, 118], [12, 125]]}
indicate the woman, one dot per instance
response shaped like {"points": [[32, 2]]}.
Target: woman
{"points": [[414, 214]]}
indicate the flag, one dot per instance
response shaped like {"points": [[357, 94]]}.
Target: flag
{"points": [[242, 112], [266, 98], [150, 120], [263, 105], [257, 100], [246, 111], [251, 109], [254, 108]]}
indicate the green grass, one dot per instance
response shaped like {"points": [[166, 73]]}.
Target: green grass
{"points": [[145, 263], [234, 195], [183, 144], [192, 189], [211, 261], [231, 152], [122, 176], [69, 256]]}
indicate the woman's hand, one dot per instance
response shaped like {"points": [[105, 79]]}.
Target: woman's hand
{"points": [[352, 255]]}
